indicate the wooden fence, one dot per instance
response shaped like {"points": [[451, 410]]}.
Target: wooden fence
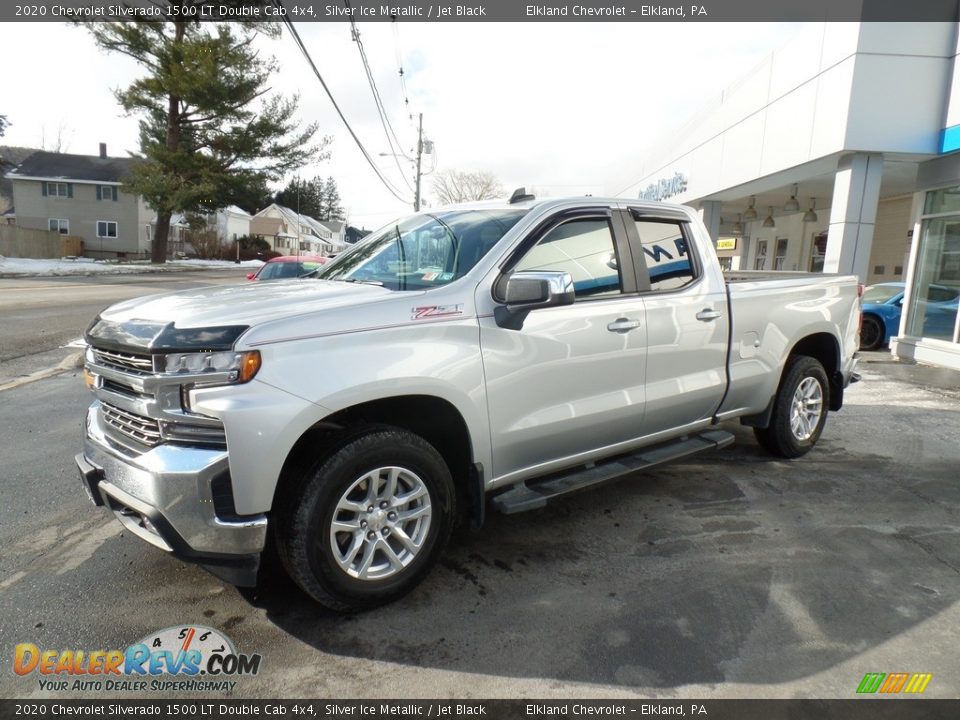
{"points": [[22, 242]]}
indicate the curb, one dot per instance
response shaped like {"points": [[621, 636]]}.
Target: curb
{"points": [[71, 362]]}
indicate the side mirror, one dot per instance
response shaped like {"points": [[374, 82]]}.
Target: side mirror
{"points": [[251, 276], [522, 292]]}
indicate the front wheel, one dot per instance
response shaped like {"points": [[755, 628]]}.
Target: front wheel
{"points": [[369, 520], [799, 409]]}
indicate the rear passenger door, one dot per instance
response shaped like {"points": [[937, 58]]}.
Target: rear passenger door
{"points": [[686, 320]]}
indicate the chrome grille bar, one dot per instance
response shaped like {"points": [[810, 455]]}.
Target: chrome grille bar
{"points": [[142, 364], [142, 429]]}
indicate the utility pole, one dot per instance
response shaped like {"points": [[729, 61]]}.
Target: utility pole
{"points": [[416, 199]]}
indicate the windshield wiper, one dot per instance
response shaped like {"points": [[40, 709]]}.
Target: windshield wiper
{"points": [[361, 282]]}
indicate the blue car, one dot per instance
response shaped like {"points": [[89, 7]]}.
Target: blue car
{"points": [[883, 304]]}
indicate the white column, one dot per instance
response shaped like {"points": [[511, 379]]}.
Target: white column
{"points": [[853, 213], [710, 214]]}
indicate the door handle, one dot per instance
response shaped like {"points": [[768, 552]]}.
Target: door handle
{"points": [[707, 315], [623, 325]]}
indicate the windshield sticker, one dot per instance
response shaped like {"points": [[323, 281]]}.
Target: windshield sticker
{"points": [[435, 311], [429, 275]]}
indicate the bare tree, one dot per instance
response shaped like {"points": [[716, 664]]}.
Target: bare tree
{"points": [[456, 186], [60, 142]]}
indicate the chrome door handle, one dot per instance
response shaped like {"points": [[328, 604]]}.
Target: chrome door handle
{"points": [[623, 325], [707, 314]]}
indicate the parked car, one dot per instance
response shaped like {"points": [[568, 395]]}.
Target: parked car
{"points": [[489, 356], [287, 266], [883, 306]]}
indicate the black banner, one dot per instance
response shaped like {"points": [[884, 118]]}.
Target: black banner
{"points": [[853, 709], [484, 10]]}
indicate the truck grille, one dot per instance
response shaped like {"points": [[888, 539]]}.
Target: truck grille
{"points": [[139, 364], [144, 430]]}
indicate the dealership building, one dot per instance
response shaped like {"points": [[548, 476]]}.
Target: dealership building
{"points": [[838, 154]]}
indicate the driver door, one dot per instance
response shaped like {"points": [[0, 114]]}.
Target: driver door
{"points": [[570, 380]]}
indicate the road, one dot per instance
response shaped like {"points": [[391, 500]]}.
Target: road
{"points": [[727, 575], [42, 315]]}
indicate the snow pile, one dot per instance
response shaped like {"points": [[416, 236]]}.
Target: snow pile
{"points": [[88, 266]]}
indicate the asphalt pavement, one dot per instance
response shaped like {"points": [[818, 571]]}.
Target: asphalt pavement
{"points": [[730, 574], [41, 316]]}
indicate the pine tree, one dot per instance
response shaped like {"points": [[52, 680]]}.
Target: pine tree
{"points": [[3, 126], [209, 135], [302, 194], [331, 206]]}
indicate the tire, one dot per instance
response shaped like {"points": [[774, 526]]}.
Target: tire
{"points": [[795, 429], [372, 557], [871, 332]]}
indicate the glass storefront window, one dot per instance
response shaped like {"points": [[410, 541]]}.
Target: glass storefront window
{"points": [[936, 283], [942, 201]]}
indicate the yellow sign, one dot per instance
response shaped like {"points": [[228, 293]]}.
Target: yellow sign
{"points": [[727, 244]]}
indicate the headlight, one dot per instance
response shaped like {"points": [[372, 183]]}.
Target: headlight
{"points": [[242, 366]]}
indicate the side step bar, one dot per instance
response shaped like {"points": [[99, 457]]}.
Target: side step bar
{"points": [[525, 497]]}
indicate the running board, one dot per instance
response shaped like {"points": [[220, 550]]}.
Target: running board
{"points": [[523, 497]]}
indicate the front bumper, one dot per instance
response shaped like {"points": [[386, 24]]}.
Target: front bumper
{"points": [[165, 497]]}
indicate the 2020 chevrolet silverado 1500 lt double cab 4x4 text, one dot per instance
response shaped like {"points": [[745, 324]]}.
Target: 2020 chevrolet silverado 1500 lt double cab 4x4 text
{"points": [[501, 352]]}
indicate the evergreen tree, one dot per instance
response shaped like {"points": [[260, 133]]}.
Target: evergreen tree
{"points": [[331, 206], [3, 126], [209, 135], [302, 194]]}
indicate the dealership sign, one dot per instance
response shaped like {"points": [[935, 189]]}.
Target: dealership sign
{"points": [[665, 188]]}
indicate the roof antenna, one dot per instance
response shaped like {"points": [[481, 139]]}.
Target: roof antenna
{"points": [[521, 194]]}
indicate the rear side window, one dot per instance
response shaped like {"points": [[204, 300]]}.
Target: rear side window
{"points": [[666, 254], [585, 249]]}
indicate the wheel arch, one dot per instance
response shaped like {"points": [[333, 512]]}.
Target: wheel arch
{"points": [[823, 347], [433, 418]]}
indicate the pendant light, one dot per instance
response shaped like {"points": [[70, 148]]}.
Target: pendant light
{"points": [[751, 213], [768, 221], [792, 205], [810, 215]]}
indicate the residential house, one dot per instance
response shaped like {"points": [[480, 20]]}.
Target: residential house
{"points": [[80, 195], [290, 232], [353, 234], [231, 223], [337, 230]]}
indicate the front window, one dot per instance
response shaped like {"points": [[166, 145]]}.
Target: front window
{"points": [[423, 251], [58, 189], [760, 260], [106, 229], [781, 257], [59, 225]]}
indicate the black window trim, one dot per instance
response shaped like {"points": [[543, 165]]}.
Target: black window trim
{"points": [[621, 248], [667, 217]]}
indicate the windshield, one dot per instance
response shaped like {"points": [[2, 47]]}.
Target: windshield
{"points": [[880, 293], [287, 269], [423, 251]]}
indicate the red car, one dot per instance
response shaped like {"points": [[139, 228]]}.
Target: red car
{"points": [[287, 266]]}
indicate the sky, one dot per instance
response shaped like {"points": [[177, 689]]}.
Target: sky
{"points": [[564, 108]]}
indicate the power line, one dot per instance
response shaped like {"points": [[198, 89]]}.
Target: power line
{"points": [[402, 75], [296, 38], [378, 102]]}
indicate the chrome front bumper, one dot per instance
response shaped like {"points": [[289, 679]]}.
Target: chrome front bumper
{"points": [[165, 497]]}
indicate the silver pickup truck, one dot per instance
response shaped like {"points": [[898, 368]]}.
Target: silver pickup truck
{"points": [[488, 356]]}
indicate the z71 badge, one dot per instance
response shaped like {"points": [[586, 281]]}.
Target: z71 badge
{"points": [[435, 311]]}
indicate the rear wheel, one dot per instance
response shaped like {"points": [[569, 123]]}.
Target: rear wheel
{"points": [[369, 521], [871, 332], [799, 409]]}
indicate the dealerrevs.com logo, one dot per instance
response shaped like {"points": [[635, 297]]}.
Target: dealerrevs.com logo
{"points": [[181, 658]]}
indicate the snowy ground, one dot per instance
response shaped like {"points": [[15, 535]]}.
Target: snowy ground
{"points": [[87, 266]]}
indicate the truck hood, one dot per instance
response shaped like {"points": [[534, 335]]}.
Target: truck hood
{"points": [[213, 317]]}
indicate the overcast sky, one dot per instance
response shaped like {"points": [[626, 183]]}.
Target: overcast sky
{"points": [[562, 107]]}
